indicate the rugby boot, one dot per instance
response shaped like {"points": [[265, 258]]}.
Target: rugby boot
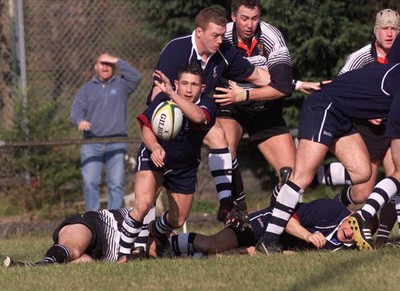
{"points": [[362, 234], [9, 263]]}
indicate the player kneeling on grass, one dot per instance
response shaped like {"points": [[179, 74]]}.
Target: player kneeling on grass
{"points": [[169, 163], [320, 224], [93, 235]]}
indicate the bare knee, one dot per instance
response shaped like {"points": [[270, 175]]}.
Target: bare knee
{"points": [[140, 210], [215, 138], [362, 175]]}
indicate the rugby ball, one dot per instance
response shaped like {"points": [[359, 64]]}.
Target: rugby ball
{"points": [[167, 120]]}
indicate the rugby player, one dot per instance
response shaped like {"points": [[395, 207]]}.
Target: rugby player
{"points": [[326, 123], [94, 235], [320, 224], [171, 164], [86, 237]]}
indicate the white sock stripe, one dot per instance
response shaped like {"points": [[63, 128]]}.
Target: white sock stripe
{"points": [[128, 239], [288, 196], [144, 233], [276, 229], [337, 173], [281, 214], [124, 250], [224, 194], [223, 179], [371, 210], [183, 242], [220, 161], [140, 245], [388, 186], [130, 229]]}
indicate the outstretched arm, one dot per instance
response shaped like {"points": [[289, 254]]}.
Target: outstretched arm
{"points": [[192, 111], [157, 151], [296, 229]]}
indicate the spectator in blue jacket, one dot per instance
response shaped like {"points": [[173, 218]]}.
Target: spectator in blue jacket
{"points": [[99, 110]]}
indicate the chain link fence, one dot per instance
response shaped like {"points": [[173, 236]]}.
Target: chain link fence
{"points": [[62, 40], [47, 52]]}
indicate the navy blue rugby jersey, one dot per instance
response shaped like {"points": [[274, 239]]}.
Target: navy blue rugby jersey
{"points": [[226, 61], [323, 215], [365, 93], [183, 150]]}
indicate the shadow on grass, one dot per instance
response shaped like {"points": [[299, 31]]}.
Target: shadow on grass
{"points": [[335, 273]]}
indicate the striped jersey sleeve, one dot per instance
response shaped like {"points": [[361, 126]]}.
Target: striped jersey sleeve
{"points": [[271, 53], [358, 59], [271, 38], [112, 221]]}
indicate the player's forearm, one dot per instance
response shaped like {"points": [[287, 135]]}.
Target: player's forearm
{"points": [[294, 228], [130, 74], [259, 77], [192, 111], [265, 93], [149, 138]]}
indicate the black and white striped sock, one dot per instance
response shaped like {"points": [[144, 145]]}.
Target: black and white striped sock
{"points": [[143, 236], [380, 195], [183, 244], [220, 164], [162, 226], [345, 196], [129, 232], [287, 200], [397, 205], [333, 174], [56, 254]]}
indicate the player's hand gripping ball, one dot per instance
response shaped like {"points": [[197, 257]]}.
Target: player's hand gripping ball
{"points": [[167, 120]]}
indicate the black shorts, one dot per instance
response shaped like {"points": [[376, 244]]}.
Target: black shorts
{"points": [[375, 138], [321, 121], [182, 181], [92, 220], [261, 123]]}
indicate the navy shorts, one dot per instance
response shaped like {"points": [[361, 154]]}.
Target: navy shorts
{"points": [[321, 121], [182, 181], [92, 220], [375, 138], [260, 123]]}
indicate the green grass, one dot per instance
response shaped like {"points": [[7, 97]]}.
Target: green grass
{"points": [[351, 270]]}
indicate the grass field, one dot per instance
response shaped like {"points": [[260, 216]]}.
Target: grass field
{"points": [[349, 270]]}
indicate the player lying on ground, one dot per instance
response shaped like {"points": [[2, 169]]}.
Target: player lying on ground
{"points": [[94, 235], [320, 224]]}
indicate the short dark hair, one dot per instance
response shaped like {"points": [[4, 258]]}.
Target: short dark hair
{"points": [[209, 14], [191, 69], [246, 3]]}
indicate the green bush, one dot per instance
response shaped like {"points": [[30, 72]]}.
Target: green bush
{"points": [[40, 175]]}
